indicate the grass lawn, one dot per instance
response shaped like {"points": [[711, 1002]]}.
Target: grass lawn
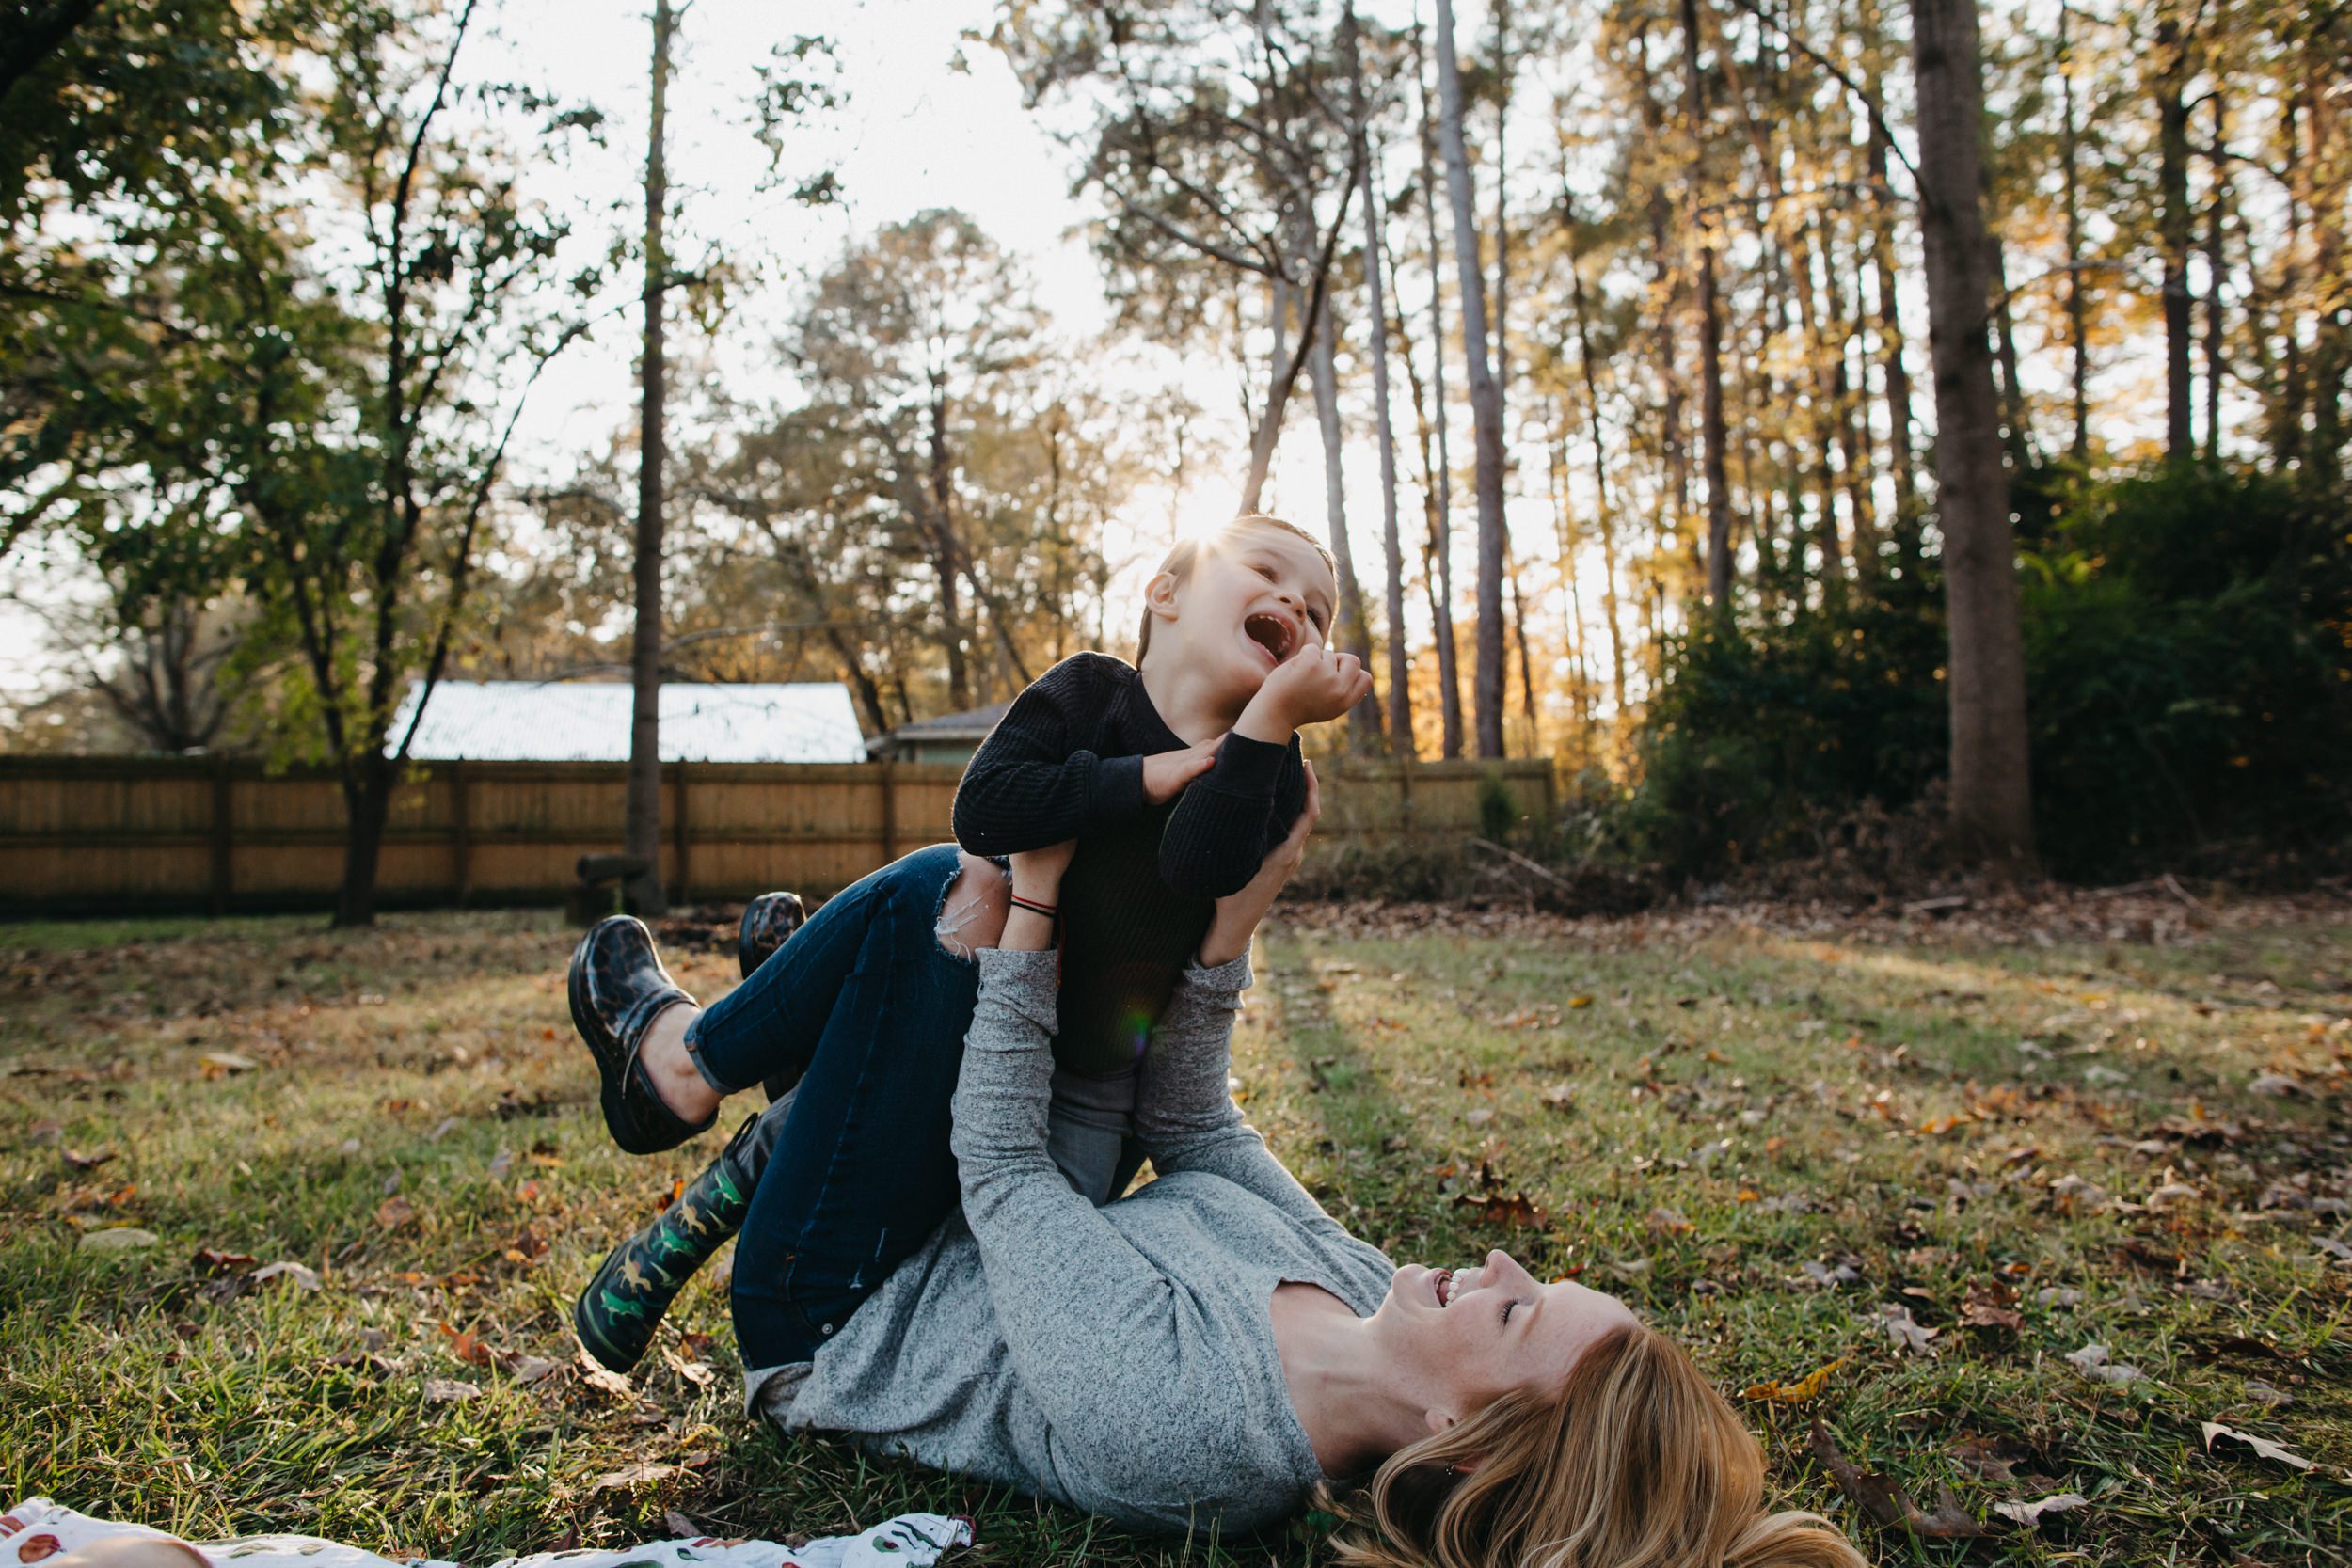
{"points": [[2020, 1137]]}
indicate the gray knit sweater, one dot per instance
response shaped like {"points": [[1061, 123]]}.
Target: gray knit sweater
{"points": [[1120, 1360]]}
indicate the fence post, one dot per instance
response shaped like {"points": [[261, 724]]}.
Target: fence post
{"points": [[889, 813], [677, 827], [224, 835], [461, 828]]}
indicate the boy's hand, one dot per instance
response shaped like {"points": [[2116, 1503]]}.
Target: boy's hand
{"points": [[1312, 685], [1237, 915], [1166, 773]]}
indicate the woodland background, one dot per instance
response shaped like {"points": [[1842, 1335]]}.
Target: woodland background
{"points": [[1822, 428]]}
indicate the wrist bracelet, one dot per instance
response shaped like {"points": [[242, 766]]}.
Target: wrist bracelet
{"points": [[1048, 910]]}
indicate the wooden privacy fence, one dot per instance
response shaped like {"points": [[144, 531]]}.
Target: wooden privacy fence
{"points": [[105, 835]]}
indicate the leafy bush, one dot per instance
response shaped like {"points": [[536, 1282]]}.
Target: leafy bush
{"points": [[2188, 649]]}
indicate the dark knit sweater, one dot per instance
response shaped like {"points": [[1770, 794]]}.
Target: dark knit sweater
{"points": [[1066, 761]]}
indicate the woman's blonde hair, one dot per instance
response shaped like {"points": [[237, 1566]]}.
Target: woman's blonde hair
{"points": [[1636, 1462]]}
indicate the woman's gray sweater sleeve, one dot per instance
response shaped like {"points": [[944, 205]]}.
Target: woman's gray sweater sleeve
{"points": [[1085, 1315], [1185, 1112]]}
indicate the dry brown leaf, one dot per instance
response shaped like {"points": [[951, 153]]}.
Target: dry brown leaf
{"points": [[450, 1390], [1887, 1504], [220, 1064], [2262, 1446], [394, 1212], [1669, 1221], [1907, 1332], [630, 1476], [79, 1161]]}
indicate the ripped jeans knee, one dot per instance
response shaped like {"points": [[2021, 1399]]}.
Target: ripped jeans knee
{"points": [[971, 910]]}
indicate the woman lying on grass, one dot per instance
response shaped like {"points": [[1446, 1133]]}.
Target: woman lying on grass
{"points": [[1212, 1352]]}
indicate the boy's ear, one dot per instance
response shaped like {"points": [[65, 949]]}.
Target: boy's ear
{"points": [[1160, 595]]}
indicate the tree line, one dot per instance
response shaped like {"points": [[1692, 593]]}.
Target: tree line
{"points": [[1775, 406]]}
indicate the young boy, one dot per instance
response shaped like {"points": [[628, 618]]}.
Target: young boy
{"points": [[1175, 778]]}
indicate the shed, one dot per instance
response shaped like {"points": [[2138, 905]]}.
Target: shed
{"points": [[945, 738], [585, 721]]}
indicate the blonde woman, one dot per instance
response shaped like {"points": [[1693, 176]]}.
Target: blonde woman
{"points": [[1213, 1353]]}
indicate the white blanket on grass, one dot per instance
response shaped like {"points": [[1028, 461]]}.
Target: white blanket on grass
{"points": [[38, 1529]]}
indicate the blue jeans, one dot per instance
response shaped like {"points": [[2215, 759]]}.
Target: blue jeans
{"points": [[867, 1009]]}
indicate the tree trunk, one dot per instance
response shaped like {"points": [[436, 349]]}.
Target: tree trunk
{"points": [[1992, 805], [2217, 272], [2174, 225], [1503, 225], [1486, 411], [1607, 515], [643, 837], [946, 560], [1712, 438], [2077, 317], [1899, 409], [1440, 544], [367, 806], [1348, 632], [1384, 430]]}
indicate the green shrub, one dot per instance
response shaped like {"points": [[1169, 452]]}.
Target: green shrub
{"points": [[2188, 651]]}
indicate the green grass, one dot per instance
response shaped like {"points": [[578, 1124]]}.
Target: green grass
{"points": [[1693, 1109]]}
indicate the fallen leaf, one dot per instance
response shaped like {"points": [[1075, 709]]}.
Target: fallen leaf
{"points": [[220, 1064], [2261, 1446], [1497, 1208], [1887, 1504], [119, 1238], [2275, 1084], [79, 1161], [528, 1370], [210, 1261], [1985, 1458], [2262, 1393], [629, 1477], [612, 1383], [1580, 1001], [679, 1526], [1669, 1221], [46, 1132], [393, 1212], [450, 1390], [300, 1275], [468, 1347], [1802, 1392], [1907, 1332], [2029, 1514], [2093, 1362]]}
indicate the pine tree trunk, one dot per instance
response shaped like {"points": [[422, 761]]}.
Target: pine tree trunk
{"points": [[1899, 416], [1348, 632], [2174, 225], [1712, 438], [2217, 272], [643, 837], [2077, 313], [1384, 428], [1607, 515], [1486, 411], [1440, 544], [1990, 800]]}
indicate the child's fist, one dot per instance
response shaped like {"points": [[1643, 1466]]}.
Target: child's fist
{"points": [[1312, 686]]}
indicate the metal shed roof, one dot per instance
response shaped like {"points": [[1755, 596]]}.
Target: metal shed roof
{"points": [[572, 722]]}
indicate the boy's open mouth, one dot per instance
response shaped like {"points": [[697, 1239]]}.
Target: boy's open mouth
{"points": [[1272, 632]]}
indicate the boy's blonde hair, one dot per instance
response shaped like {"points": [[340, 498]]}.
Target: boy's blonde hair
{"points": [[1185, 556], [1637, 1462]]}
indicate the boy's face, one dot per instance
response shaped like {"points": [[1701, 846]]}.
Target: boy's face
{"points": [[1256, 596]]}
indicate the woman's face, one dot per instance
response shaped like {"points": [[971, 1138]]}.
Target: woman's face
{"points": [[1461, 1337]]}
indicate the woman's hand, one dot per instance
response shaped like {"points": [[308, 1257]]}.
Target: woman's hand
{"points": [[1238, 914]]}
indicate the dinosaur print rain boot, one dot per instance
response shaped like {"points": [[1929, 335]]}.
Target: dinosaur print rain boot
{"points": [[616, 1315]]}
